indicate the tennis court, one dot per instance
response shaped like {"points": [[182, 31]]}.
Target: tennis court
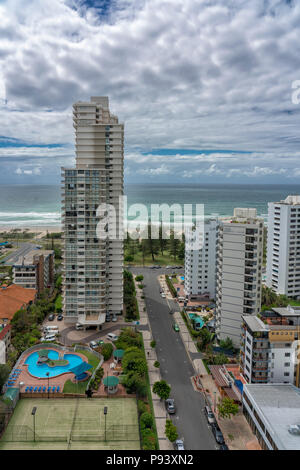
{"points": [[73, 423]]}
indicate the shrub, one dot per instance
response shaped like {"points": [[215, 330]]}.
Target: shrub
{"points": [[142, 407], [139, 278], [153, 344], [156, 364], [146, 420], [106, 351], [148, 439]]}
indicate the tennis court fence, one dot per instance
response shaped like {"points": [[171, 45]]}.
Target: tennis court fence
{"points": [[114, 433]]}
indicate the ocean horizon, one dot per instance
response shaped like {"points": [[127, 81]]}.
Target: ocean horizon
{"points": [[40, 205]]}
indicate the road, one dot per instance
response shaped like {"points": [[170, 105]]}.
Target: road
{"points": [[175, 366], [23, 249]]}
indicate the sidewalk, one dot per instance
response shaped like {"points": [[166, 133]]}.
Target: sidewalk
{"points": [[160, 413]]}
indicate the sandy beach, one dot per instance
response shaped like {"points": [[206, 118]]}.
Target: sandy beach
{"points": [[38, 230]]}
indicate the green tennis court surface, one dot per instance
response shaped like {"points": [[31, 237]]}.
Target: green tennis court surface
{"points": [[73, 423]]}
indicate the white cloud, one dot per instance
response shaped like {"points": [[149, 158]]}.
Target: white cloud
{"points": [[180, 74]]}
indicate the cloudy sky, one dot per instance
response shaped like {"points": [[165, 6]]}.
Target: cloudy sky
{"points": [[204, 87]]}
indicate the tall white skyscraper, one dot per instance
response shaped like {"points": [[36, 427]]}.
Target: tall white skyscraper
{"points": [[240, 251], [283, 248], [200, 264], [93, 267]]}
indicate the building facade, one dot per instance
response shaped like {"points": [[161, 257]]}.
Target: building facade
{"points": [[239, 267], [200, 264], [93, 265], [269, 346], [283, 248], [35, 270]]}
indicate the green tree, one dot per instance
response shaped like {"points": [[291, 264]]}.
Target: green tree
{"points": [[162, 389], [171, 431], [227, 344], [227, 408], [4, 373]]}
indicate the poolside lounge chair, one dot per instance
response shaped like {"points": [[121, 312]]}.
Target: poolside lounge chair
{"points": [[49, 389], [40, 389], [26, 389], [53, 389], [57, 389], [44, 389], [35, 389], [30, 389]]}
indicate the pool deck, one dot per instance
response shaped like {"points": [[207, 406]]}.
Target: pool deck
{"points": [[31, 381]]}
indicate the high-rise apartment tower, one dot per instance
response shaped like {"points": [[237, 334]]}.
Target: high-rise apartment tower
{"points": [[93, 266]]}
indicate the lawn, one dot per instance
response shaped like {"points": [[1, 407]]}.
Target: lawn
{"points": [[164, 260], [73, 423], [79, 388]]}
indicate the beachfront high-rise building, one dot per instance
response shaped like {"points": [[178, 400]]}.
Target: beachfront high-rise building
{"points": [[200, 264], [239, 266], [283, 248], [93, 266]]}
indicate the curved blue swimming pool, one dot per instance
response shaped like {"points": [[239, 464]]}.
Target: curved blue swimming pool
{"points": [[40, 370]]}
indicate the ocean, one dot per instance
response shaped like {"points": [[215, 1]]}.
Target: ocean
{"points": [[39, 205]]}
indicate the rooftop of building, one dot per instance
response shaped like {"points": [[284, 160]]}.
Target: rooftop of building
{"points": [[255, 323], [272, 320], [28, 259], [291, 200], [4, 331], [12, 298], [279, 404]]}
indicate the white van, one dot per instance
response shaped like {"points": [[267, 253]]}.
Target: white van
{"points": [[48, 338], [50, 329], [112, 337], [181, 299], [78, 326]]}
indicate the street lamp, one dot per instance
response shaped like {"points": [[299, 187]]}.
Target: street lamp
{"points": [[33, 414], [47, 374], [105, 413]]}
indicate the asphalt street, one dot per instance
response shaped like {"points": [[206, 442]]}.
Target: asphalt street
{"points": [[23, 249], [175, 366]]}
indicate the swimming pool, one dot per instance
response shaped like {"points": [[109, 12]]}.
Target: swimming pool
{"points": [[198, 320], [40, 370]]}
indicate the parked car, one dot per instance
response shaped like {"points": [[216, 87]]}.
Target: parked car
{"points": [[114, 318], [223, 447], [170, 406], [163, 295], [93, 344], [179, 444], [51, 317], [176, 327], [112, 337], [60, 317], [78, 326], [217, 433], [108, 318], [209, 415]]}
